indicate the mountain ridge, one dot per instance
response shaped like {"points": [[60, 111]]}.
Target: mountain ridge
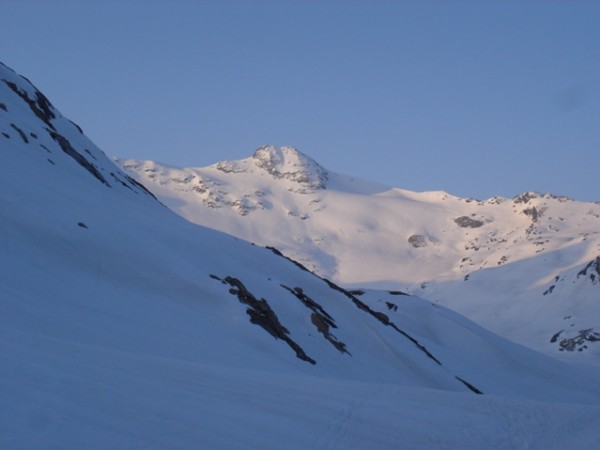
{"points": [[362, 234], [124, 325]]}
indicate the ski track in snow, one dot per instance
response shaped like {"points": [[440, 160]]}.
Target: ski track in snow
{"points": [[344, 418]]}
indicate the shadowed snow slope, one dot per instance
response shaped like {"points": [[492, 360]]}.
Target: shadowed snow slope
{"points": [[123, 325], [505, 263]]}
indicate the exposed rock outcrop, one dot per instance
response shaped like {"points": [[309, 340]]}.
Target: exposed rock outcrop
{"points": [[417, 240], [577, 342], [467, 222], [262, 314], [319, 318], [290, 164]]}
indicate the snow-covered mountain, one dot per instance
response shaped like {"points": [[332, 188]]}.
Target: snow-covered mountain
{"points": [[525, 267], [123, 325]]}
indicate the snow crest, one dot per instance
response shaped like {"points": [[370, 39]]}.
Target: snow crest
{"points": [[288, 163]]}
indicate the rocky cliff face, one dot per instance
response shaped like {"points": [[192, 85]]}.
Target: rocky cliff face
{"points": [[289, 164], [28, 118]]}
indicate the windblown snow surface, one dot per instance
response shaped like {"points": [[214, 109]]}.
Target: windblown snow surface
{"points": [[122, 325], [527, 268]]}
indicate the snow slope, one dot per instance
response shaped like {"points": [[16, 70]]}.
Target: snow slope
{"points": [[506, 263], [123, 325]]}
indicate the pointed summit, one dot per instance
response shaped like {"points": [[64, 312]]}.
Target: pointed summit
{"points": [[291, 164]]}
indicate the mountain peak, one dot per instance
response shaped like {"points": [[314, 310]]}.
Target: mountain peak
{"points": [[289, 163]]}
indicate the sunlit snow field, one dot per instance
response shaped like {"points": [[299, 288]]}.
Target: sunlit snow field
{"points": [[118, 330]]}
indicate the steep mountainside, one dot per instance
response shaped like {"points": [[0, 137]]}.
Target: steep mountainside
{"points": [[499, 261], [123, 325]]}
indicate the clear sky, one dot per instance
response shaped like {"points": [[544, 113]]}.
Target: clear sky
{"points": [[478, 98]]}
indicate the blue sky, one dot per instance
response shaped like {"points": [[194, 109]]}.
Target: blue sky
{"points": [[475, 98]]}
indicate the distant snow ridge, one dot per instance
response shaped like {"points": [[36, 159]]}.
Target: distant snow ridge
{"points": [[494, 260], [290, 164]]}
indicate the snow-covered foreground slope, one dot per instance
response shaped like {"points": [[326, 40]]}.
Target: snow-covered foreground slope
{"points": [[123, 325], [94, 399], [516, 266]]}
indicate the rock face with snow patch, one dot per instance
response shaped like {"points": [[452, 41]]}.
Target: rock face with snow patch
{"points": [[289, 164], [468, 222], [591, 271], [52, 136], [580, 332]]}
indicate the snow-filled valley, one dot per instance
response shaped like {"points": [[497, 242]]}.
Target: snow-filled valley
{"points": [[123, 325]]}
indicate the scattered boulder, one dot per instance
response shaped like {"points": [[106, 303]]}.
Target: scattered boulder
{"points": [[417, 240], [467, 222], [21, 133], [579, 341], [391, 306]]}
